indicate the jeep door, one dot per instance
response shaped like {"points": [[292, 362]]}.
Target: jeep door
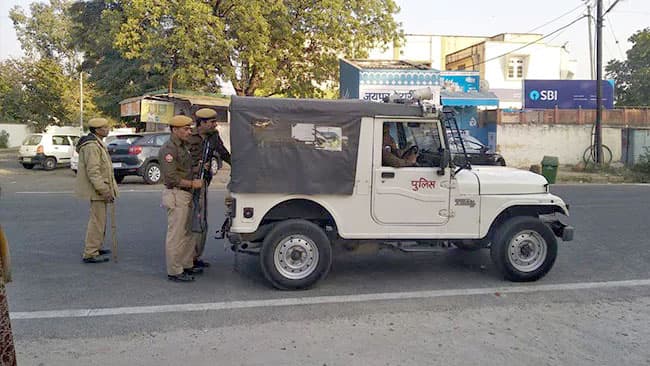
{"points": [[404, 193]]}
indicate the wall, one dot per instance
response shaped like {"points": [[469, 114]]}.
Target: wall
{"points": [[17, 133], [525, 144]]}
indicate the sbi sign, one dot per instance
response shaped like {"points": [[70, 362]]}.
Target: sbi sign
{"points": [[566, 94], [543, 95]]}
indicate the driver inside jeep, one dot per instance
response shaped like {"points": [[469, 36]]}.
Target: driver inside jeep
{"points": [[394, 157]]}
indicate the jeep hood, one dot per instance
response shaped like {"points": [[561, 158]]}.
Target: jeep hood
{"points": [[504, 180]]}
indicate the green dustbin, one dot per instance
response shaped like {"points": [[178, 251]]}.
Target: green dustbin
{"points": [[549, 168]]}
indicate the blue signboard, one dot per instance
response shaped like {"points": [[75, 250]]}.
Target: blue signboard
{"points": [[460, 81], [566, 94]]}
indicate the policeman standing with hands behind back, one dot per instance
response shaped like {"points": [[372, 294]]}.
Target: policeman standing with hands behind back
{"points": [[95, 182], [177, 198]]}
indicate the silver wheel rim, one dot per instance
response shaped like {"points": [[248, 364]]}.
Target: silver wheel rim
{"points": [[296, 257], [49, 164], [527, 251], [154, 174]]}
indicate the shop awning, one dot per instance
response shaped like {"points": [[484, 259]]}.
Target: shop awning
{"points": [[460, 99]]}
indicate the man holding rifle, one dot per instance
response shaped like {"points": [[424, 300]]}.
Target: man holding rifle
{"points": [[205, 144]]}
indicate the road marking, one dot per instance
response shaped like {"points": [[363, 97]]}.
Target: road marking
{"points": [[121, 191], [316, 300]]}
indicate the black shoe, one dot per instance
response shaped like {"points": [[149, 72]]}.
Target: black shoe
{"points": [[183, 277], [104, 251], [193, 271], [199, 263], [96, 259]]}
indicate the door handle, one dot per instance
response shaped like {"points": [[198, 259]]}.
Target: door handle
{"points": [[386, 175]]}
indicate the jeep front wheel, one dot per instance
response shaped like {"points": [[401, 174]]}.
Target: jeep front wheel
{"points": [[295, 255], [524, 249]]}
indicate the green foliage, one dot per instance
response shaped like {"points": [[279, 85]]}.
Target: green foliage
{"points": [[643, 166], [4, 139], [265, 47], [46, 33], [633, 75], [114, 77]]}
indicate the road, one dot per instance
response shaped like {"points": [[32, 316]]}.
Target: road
{"points": [[387, 309]]}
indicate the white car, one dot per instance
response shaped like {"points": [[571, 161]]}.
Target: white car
{"points": [[48, 149]]}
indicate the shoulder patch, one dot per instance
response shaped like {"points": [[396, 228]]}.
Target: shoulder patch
{"points": [[169, 158]]}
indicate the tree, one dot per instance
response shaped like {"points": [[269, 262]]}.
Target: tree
{"points": [[46, 33], [633, 75], [115, 78], [265, 47]]}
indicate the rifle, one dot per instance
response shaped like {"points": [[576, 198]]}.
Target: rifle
{"points": [[199, 209]]}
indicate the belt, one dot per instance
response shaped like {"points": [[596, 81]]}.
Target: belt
{"points": [[179, 188]]}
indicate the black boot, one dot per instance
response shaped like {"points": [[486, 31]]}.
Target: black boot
{"points": [[183, 277]]}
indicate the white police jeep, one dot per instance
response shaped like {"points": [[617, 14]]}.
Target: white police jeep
{"points": [[308, 175]]}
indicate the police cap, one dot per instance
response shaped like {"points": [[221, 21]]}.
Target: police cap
{"points": [[98, 122], [206, 113], [180, 121]]}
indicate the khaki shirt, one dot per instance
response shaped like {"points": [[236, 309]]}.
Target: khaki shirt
{"points": [[95, 175], [176, 162]]}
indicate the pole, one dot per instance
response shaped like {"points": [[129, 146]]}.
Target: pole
{"points": [[81, 102], [591, 43], [598, 143]]}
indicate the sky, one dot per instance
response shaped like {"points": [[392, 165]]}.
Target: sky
{"points": [[478, 17]]}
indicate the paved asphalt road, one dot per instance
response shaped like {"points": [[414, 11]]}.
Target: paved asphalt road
{"points": [[392, 308]]}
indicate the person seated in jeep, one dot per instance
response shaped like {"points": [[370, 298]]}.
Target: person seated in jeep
{"points": [[391, 155]]}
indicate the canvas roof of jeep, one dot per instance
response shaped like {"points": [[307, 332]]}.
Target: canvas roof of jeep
{"points": [[276, 146]]}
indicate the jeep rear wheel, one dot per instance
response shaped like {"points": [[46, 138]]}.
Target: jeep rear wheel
{"points": [[524, 249], [295, 255]]}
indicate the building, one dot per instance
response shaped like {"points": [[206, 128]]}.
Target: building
{"points": [[505, 60], [502, 61]]}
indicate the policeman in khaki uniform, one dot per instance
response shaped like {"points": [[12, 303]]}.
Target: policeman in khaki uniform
{"points": [[95, 182], [206, 119], [177, 198]]}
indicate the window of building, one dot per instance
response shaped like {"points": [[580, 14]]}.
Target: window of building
{"points": [[516, 67]]}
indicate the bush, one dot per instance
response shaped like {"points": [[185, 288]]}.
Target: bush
{"points": [[643, 166], [4, 139]]}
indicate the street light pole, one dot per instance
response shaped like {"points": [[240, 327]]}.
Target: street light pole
{"points": [[81, 102], [591, 43], [598, 143]]}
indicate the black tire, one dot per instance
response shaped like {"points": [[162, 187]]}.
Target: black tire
{"points": [[524, 227], [28, 166], [297, 232], [152, 173], [49, 163], [501, 162], [119, 178]]}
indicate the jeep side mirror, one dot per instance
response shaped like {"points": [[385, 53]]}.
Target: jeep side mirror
{"points": [[444, 161]]}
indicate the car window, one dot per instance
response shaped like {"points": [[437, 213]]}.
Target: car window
{"points": [[60, 140], [161, 139], [32, 140], [74, 139]]}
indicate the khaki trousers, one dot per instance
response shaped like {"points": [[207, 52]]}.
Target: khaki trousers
{"points": [[96, 229], [179, 246]]}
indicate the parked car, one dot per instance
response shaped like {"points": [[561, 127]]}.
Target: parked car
{"points": [[113, 135], [47, 150], [137, 154], [477, 152]]}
